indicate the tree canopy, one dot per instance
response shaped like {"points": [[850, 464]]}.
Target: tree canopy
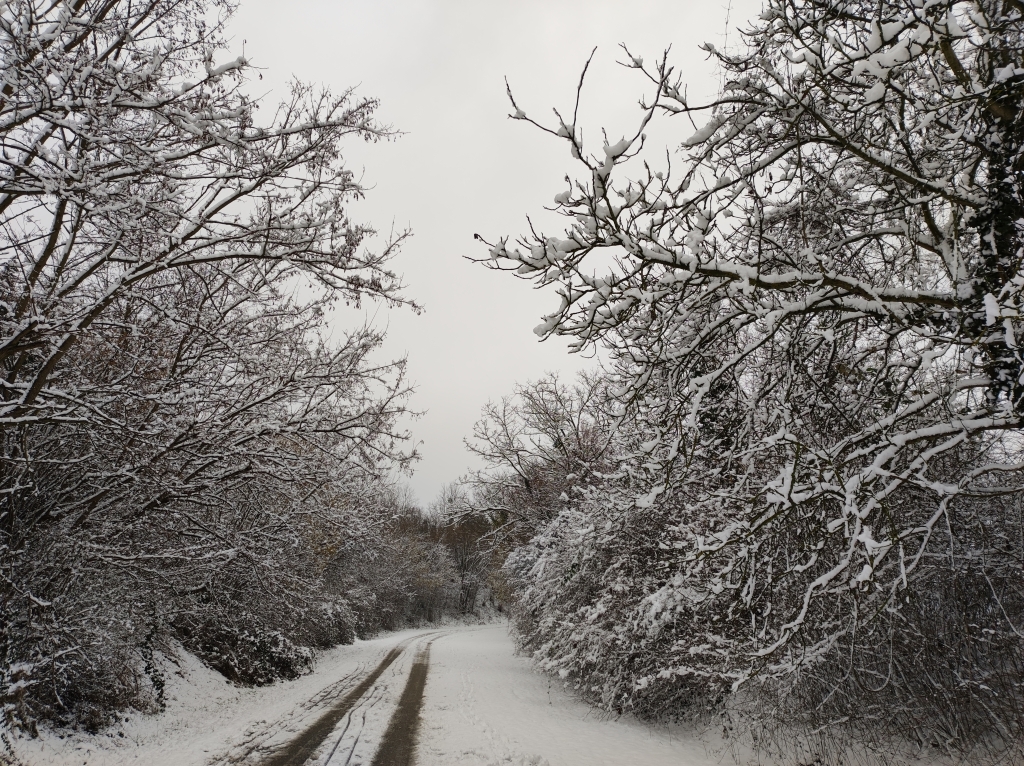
{"points": [[811, 308]]}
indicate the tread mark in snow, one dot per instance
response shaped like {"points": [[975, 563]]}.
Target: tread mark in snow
{"points": [[301, 749], [399, 743], [254, 740]]}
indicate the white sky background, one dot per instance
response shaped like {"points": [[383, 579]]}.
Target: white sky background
{"points": [[438, 68]]}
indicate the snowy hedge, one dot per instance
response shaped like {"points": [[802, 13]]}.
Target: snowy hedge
{"points": [[810, 315]]}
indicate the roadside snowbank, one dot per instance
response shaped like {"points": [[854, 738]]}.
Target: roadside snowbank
{"points": [[206, 716]]}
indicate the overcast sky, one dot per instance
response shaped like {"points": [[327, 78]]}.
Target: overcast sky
{"points": [[439, 68]]}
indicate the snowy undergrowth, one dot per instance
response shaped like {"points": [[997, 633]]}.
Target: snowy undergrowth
{"points": [[204, 717]]}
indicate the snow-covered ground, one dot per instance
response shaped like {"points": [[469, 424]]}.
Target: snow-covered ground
{"points": [[208, 718], [485, 705], [482, 704]]}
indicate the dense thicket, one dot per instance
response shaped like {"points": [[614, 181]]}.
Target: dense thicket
{"points": [[418, 567], [186, 452], [811, 319]]}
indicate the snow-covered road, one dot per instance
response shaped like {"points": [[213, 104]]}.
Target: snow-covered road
{"points": [[485, 705], [481, 705], [368, 705]]}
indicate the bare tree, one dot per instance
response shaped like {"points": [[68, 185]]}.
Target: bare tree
{"points": [[183, 440], [812, 311], [537, 445]]}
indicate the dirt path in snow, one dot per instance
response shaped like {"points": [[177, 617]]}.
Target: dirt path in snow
{"points": [[399, 744], [301, 749], [466, 701]]}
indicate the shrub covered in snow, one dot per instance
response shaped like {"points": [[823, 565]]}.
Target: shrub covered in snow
{"points": [[811, 321], [185, 446], [247, 655]]}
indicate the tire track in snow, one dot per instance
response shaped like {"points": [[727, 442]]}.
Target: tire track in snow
{"points": [[364, 706], [398, 747], [302, 748], [257, 738], [261, 742]]}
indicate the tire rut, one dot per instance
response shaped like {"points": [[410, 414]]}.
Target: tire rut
{"points": [[254, 740], [301, 749], [398, 746], [257, 745]]}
